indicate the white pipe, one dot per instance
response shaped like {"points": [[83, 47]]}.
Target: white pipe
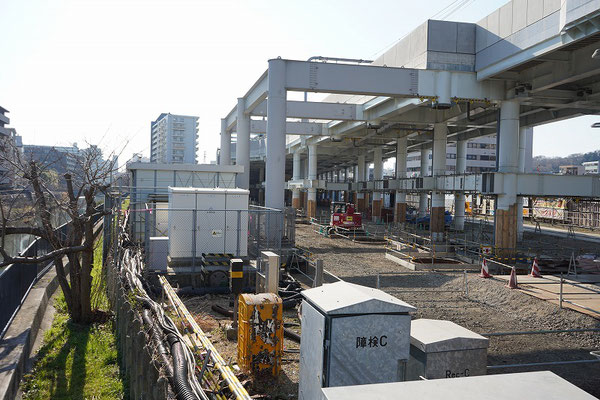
{"points": [[424, 167], [360, 176], [276, 117], [377, 169], [296, 170], [440, 134], [312, 170], [443, 85], [242, 148], [508, 157], [459, 198], [401, 166], [225, 157], [296, 173], [461, 156], [522, 155]]}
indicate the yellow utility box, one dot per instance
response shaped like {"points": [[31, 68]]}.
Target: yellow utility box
{"points": [[260, 333]]}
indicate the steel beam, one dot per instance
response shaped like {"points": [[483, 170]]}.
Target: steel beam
{"points": [[292, 128], [317, 110], [390, 82]]}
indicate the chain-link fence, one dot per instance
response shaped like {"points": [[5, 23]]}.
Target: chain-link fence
{"points": [[183, 237]]}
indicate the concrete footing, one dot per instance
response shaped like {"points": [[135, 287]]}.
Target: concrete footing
{"points": [[506, 231], [311, 209], [400, 212], [437, 223], [376, 213]]}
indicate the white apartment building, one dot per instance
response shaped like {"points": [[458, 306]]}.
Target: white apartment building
{"points": [[590, 167], [173, 139]]}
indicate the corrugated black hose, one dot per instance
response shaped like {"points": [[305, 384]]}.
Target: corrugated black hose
{"points": [[182, 388]]}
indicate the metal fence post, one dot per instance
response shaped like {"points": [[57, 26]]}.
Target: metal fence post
{"points": [[560, 297], [267, 229], [194, 216], [147, 235], [258, 248], [239, 229]]}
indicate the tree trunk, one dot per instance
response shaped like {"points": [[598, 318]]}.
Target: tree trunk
{"points": [[81, 312]]}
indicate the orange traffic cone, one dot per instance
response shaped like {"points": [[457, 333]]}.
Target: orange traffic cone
{"points": [[535, 269], [485, 272], [512, 281]]}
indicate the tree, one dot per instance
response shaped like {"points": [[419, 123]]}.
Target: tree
{"points": [[32, 210]]}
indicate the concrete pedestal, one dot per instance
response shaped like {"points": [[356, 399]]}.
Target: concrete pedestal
{"points": [[443, 349], [376, 212], [437, 223], [400, 213], [506, 231]]}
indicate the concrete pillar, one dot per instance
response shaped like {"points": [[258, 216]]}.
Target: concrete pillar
{"points": [[276, 117], [311, 207], [261, 180], [242, 148], [459, 198], [360, 177], [225, 157], [400, 209], [424, 172], [296, 177], [522, 161], [377, 176], [508, 161], [440, 134]]}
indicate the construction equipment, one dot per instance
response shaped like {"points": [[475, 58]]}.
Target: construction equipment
{"points": [[343, 215]]}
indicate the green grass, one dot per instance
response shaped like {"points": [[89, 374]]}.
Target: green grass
{"points": [[78, 361]]}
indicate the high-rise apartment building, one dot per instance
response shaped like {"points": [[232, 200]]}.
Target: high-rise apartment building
{"points": [[173, 139]]}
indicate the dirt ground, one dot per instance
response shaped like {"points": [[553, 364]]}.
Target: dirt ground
{"points": [[489, 307], [213, 323]]}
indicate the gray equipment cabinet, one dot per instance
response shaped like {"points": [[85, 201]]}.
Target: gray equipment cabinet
{"points": [[443, 349], [351, 335]]}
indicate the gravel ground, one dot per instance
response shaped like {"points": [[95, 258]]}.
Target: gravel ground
{"points": [[490, 307]]}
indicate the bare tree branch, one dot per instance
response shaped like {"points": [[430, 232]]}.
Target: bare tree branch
{"points": [[48, 256]]}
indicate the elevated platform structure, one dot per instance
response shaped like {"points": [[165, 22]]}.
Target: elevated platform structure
{"points": [[526, 64]]}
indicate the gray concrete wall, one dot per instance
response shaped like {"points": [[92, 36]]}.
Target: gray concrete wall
{"points": [[435, 44], [515, 26]]}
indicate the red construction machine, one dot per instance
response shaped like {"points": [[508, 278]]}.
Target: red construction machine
{"points": [[344, 217]]}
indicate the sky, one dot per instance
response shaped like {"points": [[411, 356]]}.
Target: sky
{"points": [[98, 72]]}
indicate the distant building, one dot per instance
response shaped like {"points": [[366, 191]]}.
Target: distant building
{"points": [[590, 167], [481, 156], [59, 158], [571, 169], [173, 139], [11, 146]]}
